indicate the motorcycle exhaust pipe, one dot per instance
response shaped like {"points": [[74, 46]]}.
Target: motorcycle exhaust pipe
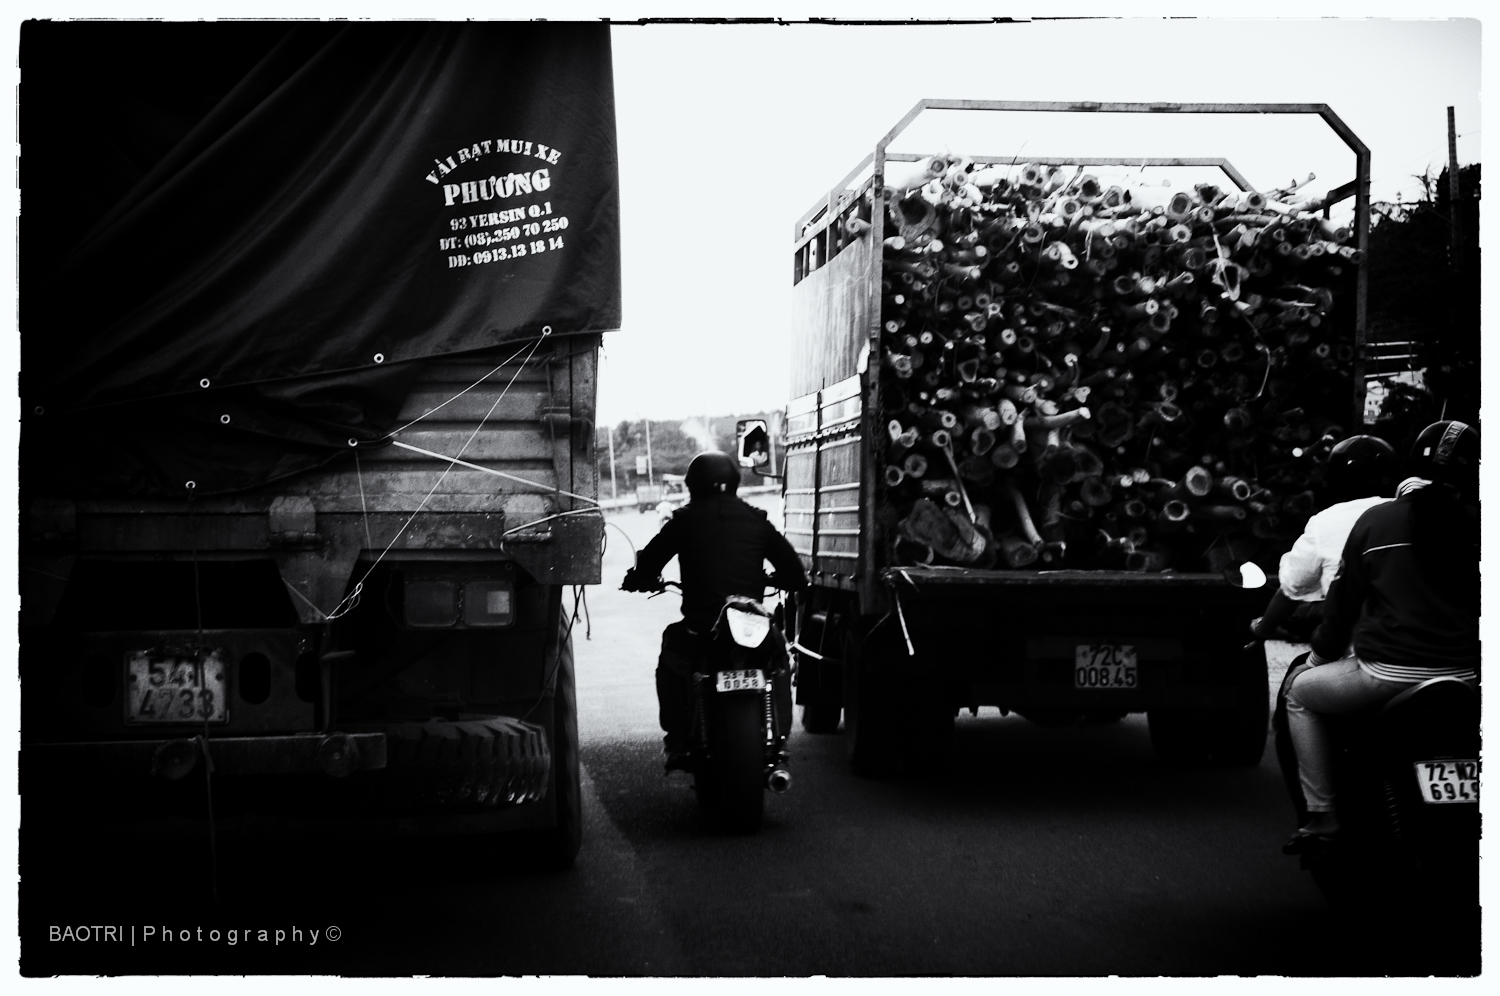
{"points": [[778, 780]]}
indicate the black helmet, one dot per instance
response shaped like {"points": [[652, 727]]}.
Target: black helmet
{"points": [[712, 473], [1360, 467], [1448, 453]]}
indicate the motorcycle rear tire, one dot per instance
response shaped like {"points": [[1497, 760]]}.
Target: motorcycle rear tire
{"points": [[736, 738], [870, 722]]}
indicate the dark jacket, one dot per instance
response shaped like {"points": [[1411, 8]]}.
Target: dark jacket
{"points": [[720, 543], [1383, 599]]}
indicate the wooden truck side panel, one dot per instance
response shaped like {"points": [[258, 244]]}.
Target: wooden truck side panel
{"points": [[537, 427]]}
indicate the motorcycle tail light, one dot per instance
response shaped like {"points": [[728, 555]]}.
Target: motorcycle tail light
{"points": [[431, 602], [747, 628], [489, 602]]}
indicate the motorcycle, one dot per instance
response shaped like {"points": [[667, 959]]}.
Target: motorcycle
{"points": [[1407, 777], [741, 701]]}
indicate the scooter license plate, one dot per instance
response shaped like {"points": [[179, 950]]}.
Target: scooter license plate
{"points": [[1104, 665], [1445, 782], [171, 689], [741, 681]]}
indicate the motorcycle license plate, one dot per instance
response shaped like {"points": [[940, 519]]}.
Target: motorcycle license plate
{"points": [[168, 689], [1104, 665], [741, 681], [1448, 781]]}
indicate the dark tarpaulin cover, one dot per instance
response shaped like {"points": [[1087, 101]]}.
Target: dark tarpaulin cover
{"points": [[267, 209]]}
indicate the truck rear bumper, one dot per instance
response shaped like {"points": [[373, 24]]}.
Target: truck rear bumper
{"points": [[335, 754]]}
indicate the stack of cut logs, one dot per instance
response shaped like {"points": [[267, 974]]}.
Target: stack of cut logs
{"points": [[1081, 376]]}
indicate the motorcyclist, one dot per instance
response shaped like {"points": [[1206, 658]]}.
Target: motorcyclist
{"points": [[1360, 473], [1407, 594], [721, 544]]}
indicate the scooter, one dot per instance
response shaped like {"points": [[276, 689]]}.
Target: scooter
{"points": [[1407, 777], [741, 713]]}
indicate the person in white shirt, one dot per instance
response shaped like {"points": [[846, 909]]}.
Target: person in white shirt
{"points": [[1360, 474]]}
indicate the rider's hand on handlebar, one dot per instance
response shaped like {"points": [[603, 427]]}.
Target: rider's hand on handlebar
{"points": [[636, 581]]}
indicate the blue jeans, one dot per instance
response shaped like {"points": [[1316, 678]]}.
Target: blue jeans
{"points": [[1339, 688]]}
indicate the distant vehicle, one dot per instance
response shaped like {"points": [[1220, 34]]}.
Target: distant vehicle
{"points": [[671, 492]]}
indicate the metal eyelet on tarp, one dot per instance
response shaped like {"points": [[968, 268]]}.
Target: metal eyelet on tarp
{"points": [[203, 382], [379, 357], [191, 485], [224, 419]]}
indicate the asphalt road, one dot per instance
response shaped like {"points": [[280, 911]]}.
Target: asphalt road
{"points": [[1036, 852]]}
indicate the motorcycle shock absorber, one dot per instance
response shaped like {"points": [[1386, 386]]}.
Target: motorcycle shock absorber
{"points": [[1393, 811], [700, 718], [770, 718]]}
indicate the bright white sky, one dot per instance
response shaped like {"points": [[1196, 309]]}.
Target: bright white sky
{"points": [[728, 133]]}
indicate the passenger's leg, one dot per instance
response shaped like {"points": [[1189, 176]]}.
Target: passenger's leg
{"points": [[674, 692], [1338, 689]]}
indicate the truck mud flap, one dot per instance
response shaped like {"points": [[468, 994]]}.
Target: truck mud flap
{"points": [[466, 765]]}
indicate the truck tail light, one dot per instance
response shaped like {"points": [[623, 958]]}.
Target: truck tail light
{"points": [[489, 602], [431, 602]]}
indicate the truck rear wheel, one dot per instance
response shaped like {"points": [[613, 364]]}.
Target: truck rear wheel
{"points": [[869, 704], [821, 716], [1238, 737], [822, 694], [557, 847], [1179, 736]]}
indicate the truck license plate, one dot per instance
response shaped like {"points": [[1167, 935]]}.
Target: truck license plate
{"points": [[1104, 665], [741, 681], [1448, 781], [162, 688]]}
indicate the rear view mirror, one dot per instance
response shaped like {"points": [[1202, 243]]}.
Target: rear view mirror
{"points": [[754, 447]]}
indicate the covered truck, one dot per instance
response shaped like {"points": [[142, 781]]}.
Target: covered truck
{"points": [[310, 318], [1050, 433]]}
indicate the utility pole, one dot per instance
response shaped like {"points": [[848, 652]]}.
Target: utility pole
{"points": [[650, 476], [774, 422], [1456, 250], [614, 490]]}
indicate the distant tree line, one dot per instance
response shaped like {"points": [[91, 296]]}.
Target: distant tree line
{"points": [[672, 448]]}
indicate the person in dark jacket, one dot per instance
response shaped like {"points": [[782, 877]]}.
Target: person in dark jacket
{"points": [[1404, 608], [721, 544]]}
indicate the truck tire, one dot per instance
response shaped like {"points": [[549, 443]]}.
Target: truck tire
{"points": [[870, 713], [932, 732], [821, 716], [1179, 736], [557, 847], [1238, 737], [822, 696], [736, 739]]}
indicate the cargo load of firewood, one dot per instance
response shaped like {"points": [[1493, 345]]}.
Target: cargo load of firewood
{"points": [[1076, 375]]}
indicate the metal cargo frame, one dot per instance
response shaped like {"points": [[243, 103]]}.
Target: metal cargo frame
{"points": [[837, 282]]}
